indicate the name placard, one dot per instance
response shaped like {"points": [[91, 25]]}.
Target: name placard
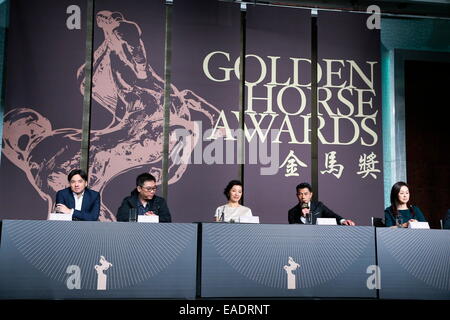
{"points": [[60, 217], [252, 219], [148, 219], [326, 221], [419, 225]]}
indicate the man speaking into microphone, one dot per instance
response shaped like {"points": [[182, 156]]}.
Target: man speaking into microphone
{"points": [[307, 211]]}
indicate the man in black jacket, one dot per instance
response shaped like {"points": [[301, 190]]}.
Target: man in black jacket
{"points": [[447, 220], [144, 200], [305, 207]]}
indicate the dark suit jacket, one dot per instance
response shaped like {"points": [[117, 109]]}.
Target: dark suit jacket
{"points": [[447, 220], [318, 210], [90, 207]]}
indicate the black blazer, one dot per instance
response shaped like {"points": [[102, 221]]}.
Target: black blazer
{"points": [[318, 210], [447, 220], [90, 207]]}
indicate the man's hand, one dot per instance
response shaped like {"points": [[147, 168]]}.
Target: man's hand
{"points": [[348, 223], [305, 211], [149, 213], [63, 209]]}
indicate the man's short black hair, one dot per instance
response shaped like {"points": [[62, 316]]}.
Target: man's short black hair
{"points": [[82, 174], [140, 180], [304, 185]]}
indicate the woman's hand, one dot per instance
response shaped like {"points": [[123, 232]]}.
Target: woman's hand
{"points": [[409, 221], [406, 224]]}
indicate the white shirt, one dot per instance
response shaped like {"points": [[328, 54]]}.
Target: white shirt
{"points": [[232, 213], [78, 201]]}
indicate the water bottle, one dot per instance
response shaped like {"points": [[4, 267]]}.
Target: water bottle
{"points": [[398, 221], [132, 215]]}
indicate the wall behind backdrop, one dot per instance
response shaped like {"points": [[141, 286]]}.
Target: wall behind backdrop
{"points": [[3, 27], [225, 122]]}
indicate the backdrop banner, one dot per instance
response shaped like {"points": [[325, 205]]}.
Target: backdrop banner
{"points": [[43, 110], [127, 98], [205, 88], [278, 109], [278, 87], [208, 143], [350, 141]]}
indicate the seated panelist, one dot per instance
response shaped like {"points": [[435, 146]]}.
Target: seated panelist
{"points": [[232, 210], [307, 211], [401, 213], [78, 200], [144, 200]]}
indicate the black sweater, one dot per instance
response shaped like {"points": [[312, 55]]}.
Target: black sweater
{"points": [[158, 205]]}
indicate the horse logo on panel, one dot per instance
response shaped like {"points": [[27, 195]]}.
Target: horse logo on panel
{"points": [[127, 87], [101, 276], [291, 278]]}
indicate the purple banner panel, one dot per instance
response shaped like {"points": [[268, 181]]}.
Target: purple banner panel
{"points": [[277, 111], [350, 141], [43, 113], [204, 107], [127, 98]]}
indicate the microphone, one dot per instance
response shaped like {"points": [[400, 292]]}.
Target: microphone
{"points": [[222, 216], [307, 215]]}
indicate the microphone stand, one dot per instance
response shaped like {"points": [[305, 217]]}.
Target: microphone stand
{"points": [[222, 216]]}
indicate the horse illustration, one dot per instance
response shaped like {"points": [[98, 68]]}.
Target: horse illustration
{"points": [[128, 88]]}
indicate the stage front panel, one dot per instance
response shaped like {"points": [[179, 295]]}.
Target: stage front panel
{"points": [[245, 260], [414, 264], [94, 260]]}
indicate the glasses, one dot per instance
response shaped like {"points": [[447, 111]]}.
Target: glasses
{"points": [[149, 188]]}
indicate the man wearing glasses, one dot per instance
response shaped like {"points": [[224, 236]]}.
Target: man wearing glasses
{"points": [[144, 201]]}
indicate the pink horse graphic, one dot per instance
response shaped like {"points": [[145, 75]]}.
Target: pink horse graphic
{"points": [[125, 84]]}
